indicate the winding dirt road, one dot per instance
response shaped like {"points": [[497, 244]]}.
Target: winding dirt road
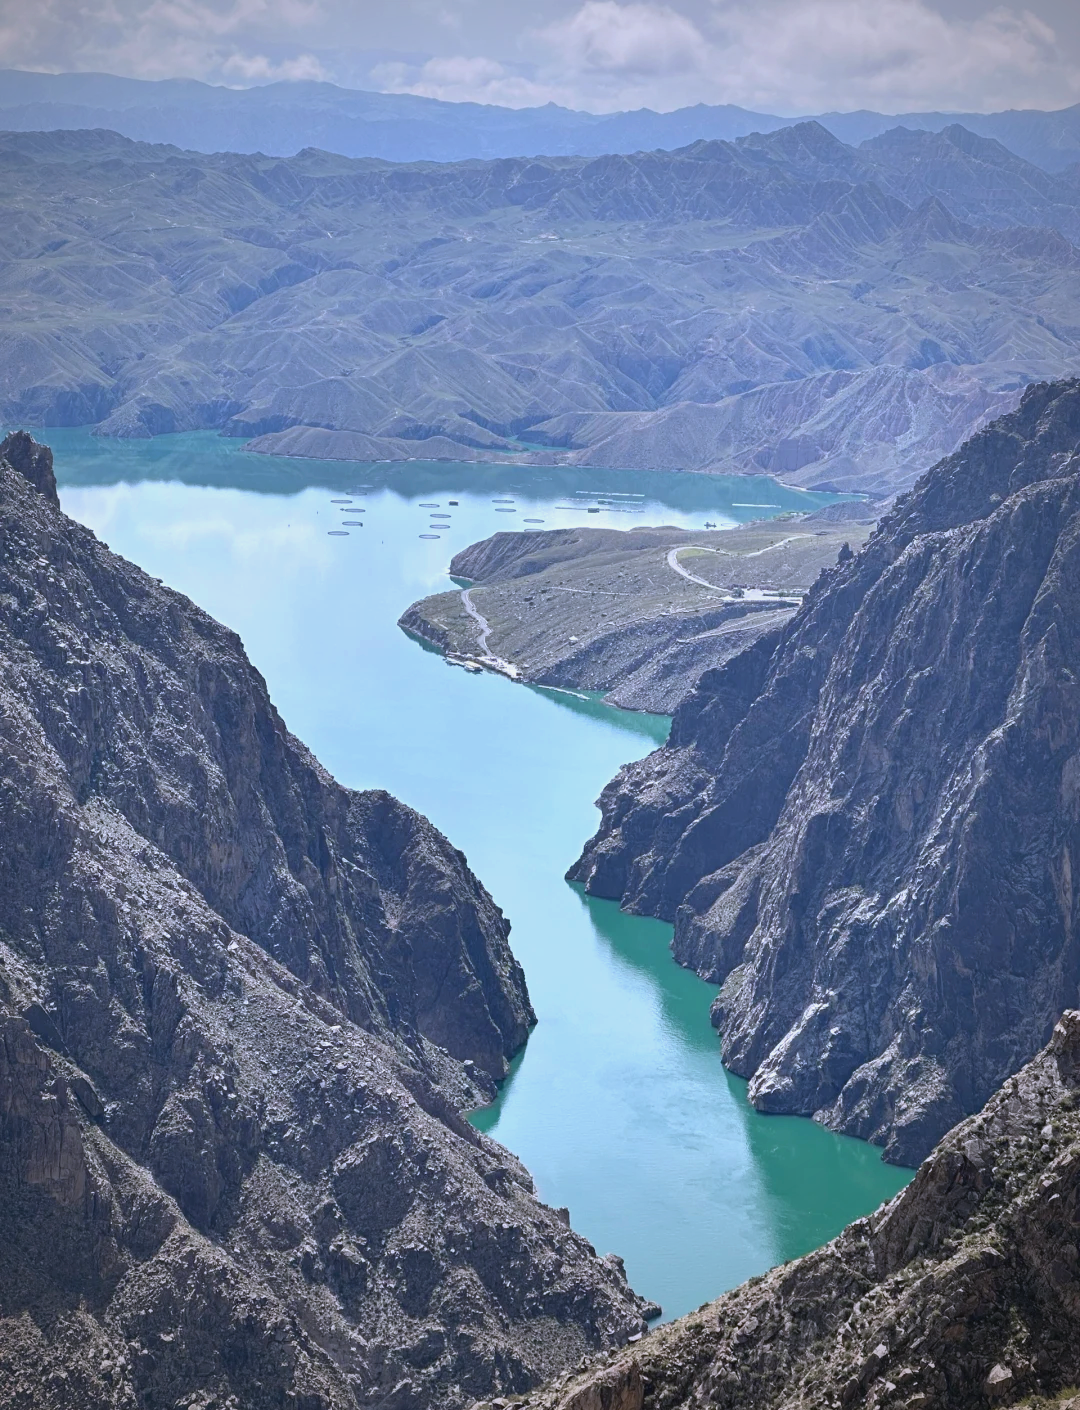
{"points": [[673, 559], [479, 618], [495, 663], [673, 562]]}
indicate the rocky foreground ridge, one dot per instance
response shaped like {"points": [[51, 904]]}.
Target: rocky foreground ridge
{"points": [[961, 1293], [239, 1008], [866, 827]]}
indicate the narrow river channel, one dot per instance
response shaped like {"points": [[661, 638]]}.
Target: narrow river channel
{"points": [[619, 1105]]}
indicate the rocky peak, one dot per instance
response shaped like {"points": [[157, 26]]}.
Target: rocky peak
{"points": [[33, 461]]}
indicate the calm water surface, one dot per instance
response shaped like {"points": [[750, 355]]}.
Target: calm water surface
{"points": [[620, 1105]]}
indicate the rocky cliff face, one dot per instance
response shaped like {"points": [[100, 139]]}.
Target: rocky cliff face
{"points": [[866, 826], [238, 1007], [962, 1293], [360, 897]]}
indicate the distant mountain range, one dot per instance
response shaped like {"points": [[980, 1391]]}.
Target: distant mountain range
{"points": [[840, 316], [281, 119]]}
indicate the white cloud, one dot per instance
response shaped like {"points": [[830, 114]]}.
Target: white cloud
{"points": [[257, 68], [893, 54], [785, 56], [627, 40], [222, 40], [463, 80], [788, 56]]}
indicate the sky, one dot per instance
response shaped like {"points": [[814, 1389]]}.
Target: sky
{"points": [[779, 56]]}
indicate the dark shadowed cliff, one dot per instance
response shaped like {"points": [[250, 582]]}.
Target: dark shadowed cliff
{"points": [[239, 1007], [866, 827], [961, 1293]]}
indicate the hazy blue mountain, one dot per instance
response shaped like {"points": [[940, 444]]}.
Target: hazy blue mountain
{"points": [[281, 119], [1049, 139], [842, 316]]}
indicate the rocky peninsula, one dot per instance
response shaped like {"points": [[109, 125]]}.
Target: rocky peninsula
{"points": [[241, 1008], [637, 615], [865, 825]]}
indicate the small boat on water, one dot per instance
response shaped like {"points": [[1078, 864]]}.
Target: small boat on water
{"points": [[338, 533], [465, 662]]}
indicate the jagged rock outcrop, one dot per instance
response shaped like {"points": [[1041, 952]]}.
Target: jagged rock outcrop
{"points": [[32, 461], [962, 1293], [239, 1008], [866, 827]]}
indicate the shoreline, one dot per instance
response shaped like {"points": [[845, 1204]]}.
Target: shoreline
{"points": [[478, 762], [737, 472], [530, 459], [615, 612]]}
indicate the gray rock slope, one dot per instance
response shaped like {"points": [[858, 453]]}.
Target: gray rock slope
{"points": [[784, 303], [239, 1006], [962, 1293], [865, 827], [637, 615]]}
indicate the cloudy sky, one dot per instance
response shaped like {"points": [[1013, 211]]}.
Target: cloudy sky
{"points": [[782, 56]]}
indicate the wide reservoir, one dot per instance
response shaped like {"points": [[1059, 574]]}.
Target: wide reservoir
{"points": [[620, 1105]]}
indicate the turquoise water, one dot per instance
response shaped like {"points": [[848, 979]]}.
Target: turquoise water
{"points": [[619, 1105]]}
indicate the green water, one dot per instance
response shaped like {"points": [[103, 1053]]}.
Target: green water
{"points": [[620, 1105]]}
